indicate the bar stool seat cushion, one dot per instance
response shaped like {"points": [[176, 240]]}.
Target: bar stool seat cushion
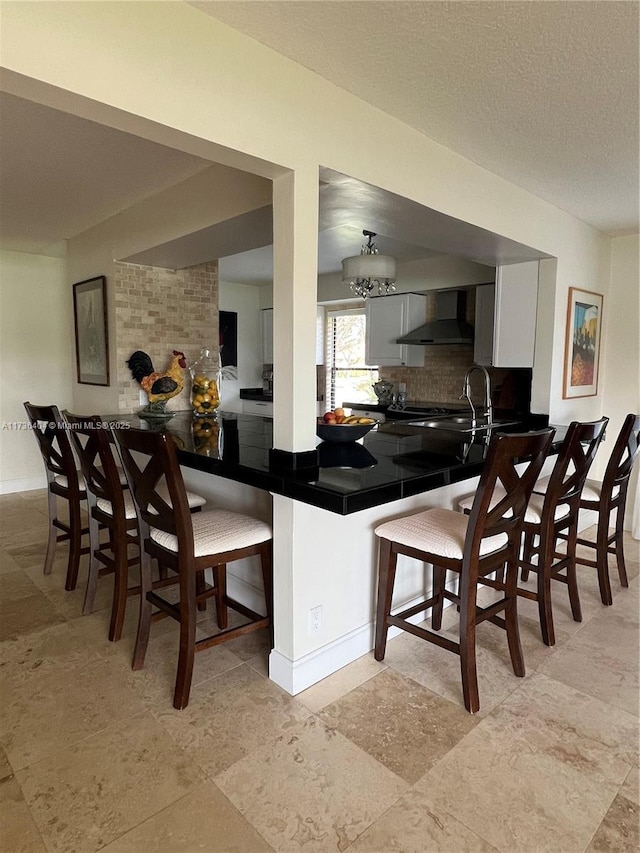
{"points": [[533, 515], [436, 531], [130, 509], [217, 531]]}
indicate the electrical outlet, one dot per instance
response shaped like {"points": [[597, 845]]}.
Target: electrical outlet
{"points": [[315, 619]]}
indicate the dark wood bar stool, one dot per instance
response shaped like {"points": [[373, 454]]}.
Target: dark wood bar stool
{"points": [[63, 481], [552, 516], [187, 545], [558, 510], [606, 497], [484, 542], [111, 507]]}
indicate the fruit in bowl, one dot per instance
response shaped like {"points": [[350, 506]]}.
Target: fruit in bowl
{"points": [[338, 416], [336, 426]]}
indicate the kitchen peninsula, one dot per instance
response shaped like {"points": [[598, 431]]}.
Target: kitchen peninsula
{"points": [[394, 461], [333, 510]]}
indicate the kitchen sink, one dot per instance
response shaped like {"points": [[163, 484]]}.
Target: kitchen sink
{"points": [[461, 424]]}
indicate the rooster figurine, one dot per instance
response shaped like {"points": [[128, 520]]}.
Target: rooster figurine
{"points": [[160, 387]]}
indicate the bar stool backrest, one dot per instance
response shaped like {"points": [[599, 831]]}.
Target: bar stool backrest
{"points": [[623, 456], [505, 516], [53, 440], [575, 456], [150, 462], [90, 437]]}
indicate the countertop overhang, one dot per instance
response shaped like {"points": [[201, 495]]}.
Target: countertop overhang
{"points": [[391, 462]]}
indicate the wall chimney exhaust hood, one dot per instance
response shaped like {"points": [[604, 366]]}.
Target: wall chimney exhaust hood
{"points": [[449, 327]]}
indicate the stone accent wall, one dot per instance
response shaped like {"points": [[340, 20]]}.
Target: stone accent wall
{"points": [[157, 311]]}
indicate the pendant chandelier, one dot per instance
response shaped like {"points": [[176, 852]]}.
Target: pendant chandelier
{"points": [[370, 270]]}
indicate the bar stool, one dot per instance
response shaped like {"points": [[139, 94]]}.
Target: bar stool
{"points": [[63, 481], [552, 516], [110, 506], [474, 546], [187, 545], [604, 498]]}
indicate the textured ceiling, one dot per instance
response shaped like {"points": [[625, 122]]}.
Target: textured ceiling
{"points": [[544, 94]]}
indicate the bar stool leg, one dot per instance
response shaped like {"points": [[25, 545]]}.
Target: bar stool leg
{"points": [[94, 566], [619, 545], [201, 587], [572, 580], [468, 667], [439, 576], [545, 557], [53, 534], [144, 621], [119, 603], [602, 560], [266, 561], [220, 579], [511, 618], [187, 638], [387, 561], [75, 536]]}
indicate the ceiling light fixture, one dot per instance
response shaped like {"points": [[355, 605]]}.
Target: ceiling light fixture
{"points": [[369, 269]]}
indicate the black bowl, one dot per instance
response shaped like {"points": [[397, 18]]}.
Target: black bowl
{"points": [[342, 432]]}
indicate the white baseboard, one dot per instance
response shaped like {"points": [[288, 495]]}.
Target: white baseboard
{"points": [[296, 676], [9, 487]]}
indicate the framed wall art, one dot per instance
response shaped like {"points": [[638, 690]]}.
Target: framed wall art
{"points": [[92, 340], [582, 344]]}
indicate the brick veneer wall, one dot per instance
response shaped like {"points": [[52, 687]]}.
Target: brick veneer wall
{"points": [[159, 310]]}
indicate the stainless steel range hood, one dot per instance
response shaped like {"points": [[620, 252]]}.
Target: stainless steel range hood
{"points": [[449, 327]]}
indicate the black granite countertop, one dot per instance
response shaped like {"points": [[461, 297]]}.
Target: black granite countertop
{"points": [[393, 461]]}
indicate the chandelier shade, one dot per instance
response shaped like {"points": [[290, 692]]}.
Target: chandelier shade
{"points": [[369, 269]]}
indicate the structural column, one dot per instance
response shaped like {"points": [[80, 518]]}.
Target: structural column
{"points": [[295, 284]]}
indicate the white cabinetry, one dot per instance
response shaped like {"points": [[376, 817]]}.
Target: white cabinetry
{"points": [[257, 407], [267, 336], [505, 331], [388, 318]]}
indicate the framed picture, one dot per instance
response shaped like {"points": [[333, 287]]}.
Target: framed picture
{"points": [[582, 344], [92, 340]]}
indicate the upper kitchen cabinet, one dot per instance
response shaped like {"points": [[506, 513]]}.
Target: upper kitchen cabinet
{"points": [[389, 318], [506, 317], [267, 336]]}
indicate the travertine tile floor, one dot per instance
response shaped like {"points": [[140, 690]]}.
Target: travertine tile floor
{"points": [[380, 757]]}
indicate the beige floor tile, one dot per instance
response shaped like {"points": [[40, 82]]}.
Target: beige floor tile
{"points": [[5, 767], [340, 683], [414, 824], [618, 832], [71, 602], [23, 607], [86, 796], [260, 664], [563, 748], [18, 832], [602, 659], [229, 717], [400, 723], [631, 786], [439, 670], [203, 820], [7, 563], [42, 716], [155, 683], [312, 789]]}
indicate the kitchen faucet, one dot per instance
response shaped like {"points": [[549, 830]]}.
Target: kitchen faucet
{"points": [[466, 394]]}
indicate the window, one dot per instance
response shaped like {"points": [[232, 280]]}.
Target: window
{"points": [[349, 378]]}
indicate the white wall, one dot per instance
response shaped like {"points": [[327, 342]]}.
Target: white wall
{"points": [[37, 357], [245, 300], [620, 376]]}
